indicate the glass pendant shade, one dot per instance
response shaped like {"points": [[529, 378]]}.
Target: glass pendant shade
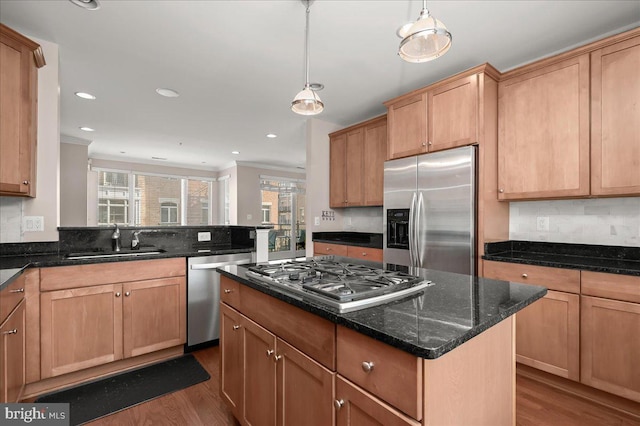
{"points": [[423, 40], [307, 102]]}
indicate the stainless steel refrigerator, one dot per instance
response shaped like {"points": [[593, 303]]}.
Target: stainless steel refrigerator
{"points": [[430, 211]]}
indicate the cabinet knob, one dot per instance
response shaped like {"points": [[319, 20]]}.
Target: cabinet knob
{"points": [[269, 352], [25, 182], [277, 358], [367, 366], [128, 293], [430, 143], [524, 275], [118, 294], [227, 291], [14, 331], [338, 403], [364, 253], [501, 190], [235, 327], [19, 290]]}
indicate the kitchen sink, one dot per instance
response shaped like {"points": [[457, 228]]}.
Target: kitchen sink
{"points": [[143, 251]]}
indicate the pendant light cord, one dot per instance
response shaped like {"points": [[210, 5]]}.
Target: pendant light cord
{"points": [[306, 48]]}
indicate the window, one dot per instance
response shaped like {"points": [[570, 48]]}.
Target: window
{"points": [[151, 200], [266, 212]]}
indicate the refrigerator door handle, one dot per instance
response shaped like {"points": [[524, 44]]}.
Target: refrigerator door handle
{"points": [[420, 247], [412, 230]]}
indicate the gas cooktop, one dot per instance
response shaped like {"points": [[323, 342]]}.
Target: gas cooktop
{"points": [[344, 286]]}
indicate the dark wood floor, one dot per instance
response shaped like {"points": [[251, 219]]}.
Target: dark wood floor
{"points": [[536, 405]]}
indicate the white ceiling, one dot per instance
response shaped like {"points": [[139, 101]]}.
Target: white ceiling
{"points": [[238, 65]]}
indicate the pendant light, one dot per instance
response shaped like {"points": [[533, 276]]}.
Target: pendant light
{"points": [[307, 101], [425, 39]]}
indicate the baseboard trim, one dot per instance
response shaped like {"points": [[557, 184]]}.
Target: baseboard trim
{"points": [[622, 405], [34, 390]]}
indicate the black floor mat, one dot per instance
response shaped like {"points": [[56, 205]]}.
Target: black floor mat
{"points": [[97, 399]]}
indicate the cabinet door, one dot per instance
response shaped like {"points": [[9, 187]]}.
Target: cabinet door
{"points": [[453, 114], [543, 132], [375, 152], [154, 315], [610, 347], [356, 407], [354, 168], [615, 119], [548, 334], [407, 121], [12, 355], [305, 389], [18, 121], [231, 365], [80, 328], [259, 381], [337, 171]]}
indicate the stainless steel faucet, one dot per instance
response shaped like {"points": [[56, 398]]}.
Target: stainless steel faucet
{"points": [[135, 241], [115, 239]]}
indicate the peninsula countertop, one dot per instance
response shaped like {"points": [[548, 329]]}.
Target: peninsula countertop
{"points": [[428, 325]]}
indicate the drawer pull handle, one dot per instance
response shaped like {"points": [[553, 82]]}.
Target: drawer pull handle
{"points": [[227, 291], [20, 290], [235, 327], [118, 294], [338, 403], [524, 275], [367, 366], [269, 352], [14, 331], [277, 358]]}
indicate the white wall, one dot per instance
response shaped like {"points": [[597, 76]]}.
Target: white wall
{"points": [[603, 221], [73, 181], [45, 203]]}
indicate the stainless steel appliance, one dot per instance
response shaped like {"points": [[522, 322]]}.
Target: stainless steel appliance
{"points": [[343, 286], [203, 297], [436, 195]]}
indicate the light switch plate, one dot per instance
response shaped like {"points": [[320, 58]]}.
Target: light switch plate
{"points": [[542, 223], [316, 221], [204, 236]]}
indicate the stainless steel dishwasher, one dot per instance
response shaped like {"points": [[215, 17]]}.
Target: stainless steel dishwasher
{"points": [[203, 297]]}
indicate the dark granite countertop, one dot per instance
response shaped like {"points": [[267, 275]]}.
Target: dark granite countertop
{"points": [[361, 239], [428, 325], [586, 257]]}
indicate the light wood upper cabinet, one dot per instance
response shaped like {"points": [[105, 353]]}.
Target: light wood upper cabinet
{"points": [[453, 114], [543, 132], [407, 126], [615, 119], [356, 164], [20, 59]]}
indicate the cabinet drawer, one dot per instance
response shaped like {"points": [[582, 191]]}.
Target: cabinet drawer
{"points": [[559, 279], [389, 373], [366, 253], [334, 249], [611, 286], [229, 292], [75, 276]]}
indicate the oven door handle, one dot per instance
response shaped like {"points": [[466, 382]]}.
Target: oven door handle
{"points": [[412, 231]]}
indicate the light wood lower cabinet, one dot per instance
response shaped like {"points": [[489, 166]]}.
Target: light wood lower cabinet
{"points": [[12, 355], [359, 408], [356, 252], [266, 381]]}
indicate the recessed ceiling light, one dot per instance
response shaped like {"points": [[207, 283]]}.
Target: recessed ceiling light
{"points": [[87, 129], [123, 152], [85, 95], [158, 158], [87, 4], [235, 152], [167, 93], [271, 135]]}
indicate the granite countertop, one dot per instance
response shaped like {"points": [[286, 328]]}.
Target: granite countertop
{"points": [[361, 239], [17, 263], [586, 257], [428, 325]]}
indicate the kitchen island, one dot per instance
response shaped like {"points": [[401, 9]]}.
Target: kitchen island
{"points": [[442, 356]]}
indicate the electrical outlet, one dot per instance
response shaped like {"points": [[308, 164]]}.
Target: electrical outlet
{"points": [[249, 216], [204, 236], [316, 221], [542, 223], [33, 223]]}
